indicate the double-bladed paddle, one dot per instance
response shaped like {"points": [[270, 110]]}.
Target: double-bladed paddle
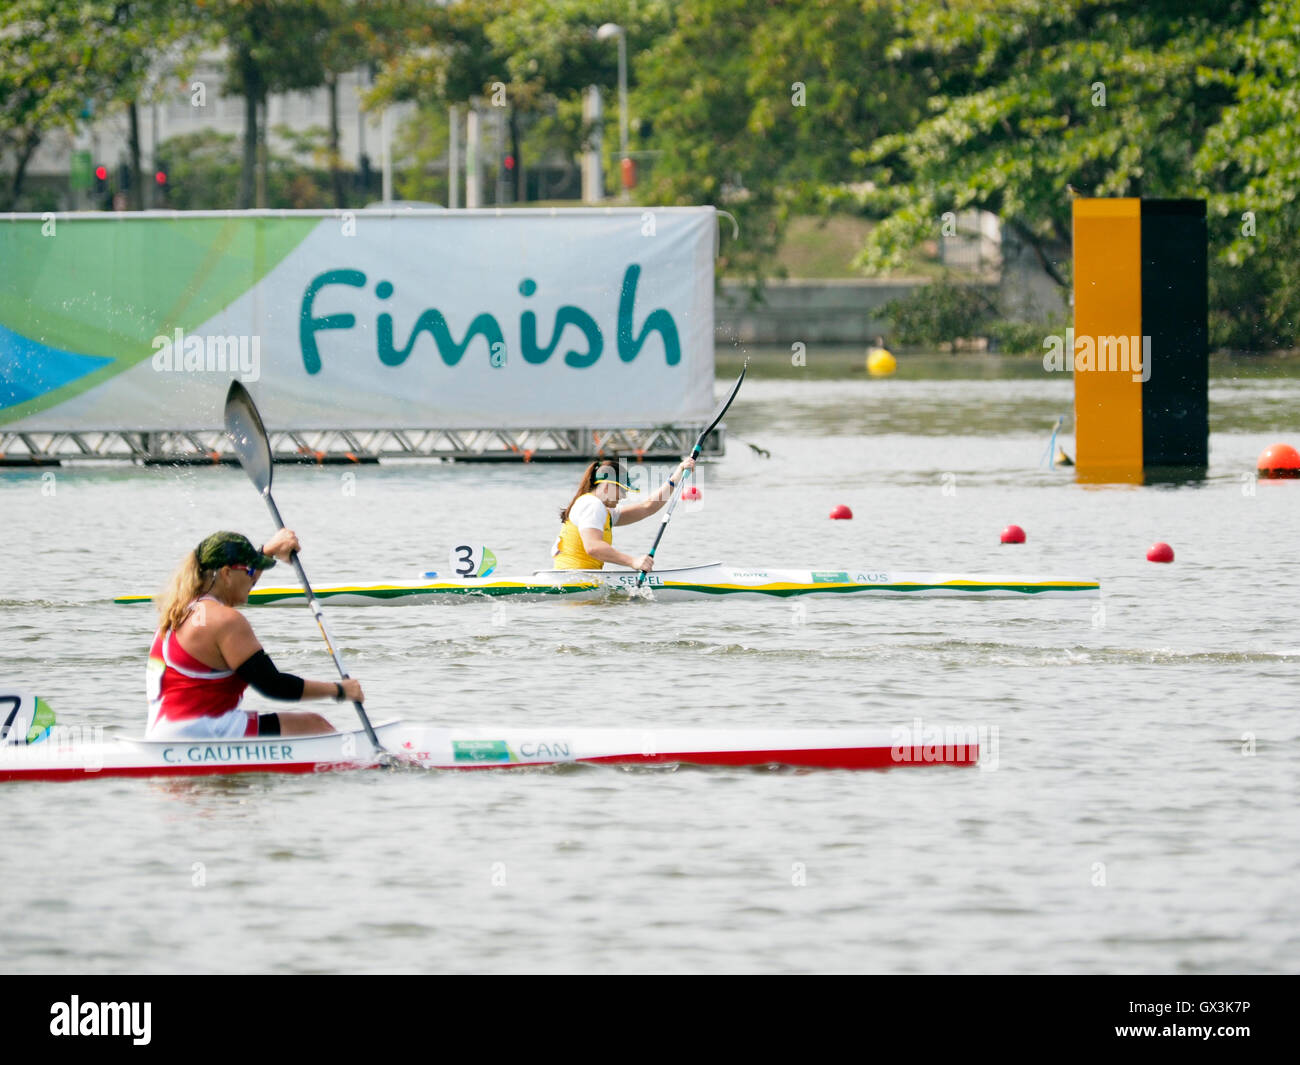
{"points": [[244, 427], [695, 454]]}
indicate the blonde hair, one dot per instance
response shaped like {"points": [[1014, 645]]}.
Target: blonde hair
{"points": [[186, 584], [587, 484]]}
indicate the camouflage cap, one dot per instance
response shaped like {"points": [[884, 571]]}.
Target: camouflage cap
{"points": [[230, 549]]}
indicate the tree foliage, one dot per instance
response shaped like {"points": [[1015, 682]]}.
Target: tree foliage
{"points": [[537, 56], [205, 170], [1041, 95], [757, 106], [62, 61], [901, 110], [1155, 98], [1248, 165]]}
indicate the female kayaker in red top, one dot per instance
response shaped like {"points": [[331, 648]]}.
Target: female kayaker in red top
{"points": [[205, 655]]}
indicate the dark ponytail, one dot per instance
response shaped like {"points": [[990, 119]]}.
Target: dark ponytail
{"points": [[588, 484]]}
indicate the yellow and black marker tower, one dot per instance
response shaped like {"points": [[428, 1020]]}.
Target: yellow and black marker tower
{"points": [[1140, 278]]}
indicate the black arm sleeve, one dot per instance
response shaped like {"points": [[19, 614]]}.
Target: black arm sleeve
{"points": [[261, 674]]}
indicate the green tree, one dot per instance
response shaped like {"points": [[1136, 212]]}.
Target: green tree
{"points": [[274, 46], [62, 61], [1249, 165], [450, 58], [541, 53], [1156, 98], [1107, 96], [439, 58], [361, 33], [205, 169], [149, 33], [761, 108]]}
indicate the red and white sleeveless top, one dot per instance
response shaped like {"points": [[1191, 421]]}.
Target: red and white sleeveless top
{"points": [[181, 688]]}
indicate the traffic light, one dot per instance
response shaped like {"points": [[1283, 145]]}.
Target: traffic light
{"points": [[102, 196], [510, 163], [161, 184]]}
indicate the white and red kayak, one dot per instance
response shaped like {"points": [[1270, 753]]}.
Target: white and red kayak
{"points": [[70, 753]]}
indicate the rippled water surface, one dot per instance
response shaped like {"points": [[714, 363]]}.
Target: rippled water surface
{"points": [[1139, 813]]}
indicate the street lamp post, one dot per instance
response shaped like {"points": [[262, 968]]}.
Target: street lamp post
{"points": [[608, 30]]}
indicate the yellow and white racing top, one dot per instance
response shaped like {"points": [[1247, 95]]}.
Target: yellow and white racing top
{"points": [[587, 512]]}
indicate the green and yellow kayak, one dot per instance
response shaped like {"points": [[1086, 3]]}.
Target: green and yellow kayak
{"points": [[709, 581]]}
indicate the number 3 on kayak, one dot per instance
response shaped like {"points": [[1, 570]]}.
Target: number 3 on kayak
{"points": [[467, 561]]}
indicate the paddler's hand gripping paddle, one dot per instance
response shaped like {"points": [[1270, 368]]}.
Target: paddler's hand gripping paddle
{"points": [[245, 429], [695, 454]]}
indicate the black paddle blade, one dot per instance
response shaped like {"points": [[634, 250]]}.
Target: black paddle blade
{"points": [[722, 409], [248, 434]]}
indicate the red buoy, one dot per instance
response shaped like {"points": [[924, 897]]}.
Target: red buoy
{"points": [[1279, 460], [841, 513], [691, 491], [1013, 534], [1160, 552]]}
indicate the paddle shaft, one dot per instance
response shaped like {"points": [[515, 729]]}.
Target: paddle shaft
{"points": [[668, 513], [695, 454], [319, 614]]}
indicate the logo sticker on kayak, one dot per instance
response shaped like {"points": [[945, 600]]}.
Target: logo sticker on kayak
{"points": [[830, 578], [468, 561], [481, 751], [497, 751]]}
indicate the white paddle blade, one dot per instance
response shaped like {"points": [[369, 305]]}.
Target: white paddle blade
{"points": [[248, 435]]}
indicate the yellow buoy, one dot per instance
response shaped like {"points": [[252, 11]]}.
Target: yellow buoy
{"points": [[880, 363]]}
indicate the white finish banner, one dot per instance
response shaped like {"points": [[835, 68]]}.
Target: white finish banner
{"points": [[375, 319]]}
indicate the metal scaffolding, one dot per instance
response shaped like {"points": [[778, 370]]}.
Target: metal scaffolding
{"points": [[193, 447]]}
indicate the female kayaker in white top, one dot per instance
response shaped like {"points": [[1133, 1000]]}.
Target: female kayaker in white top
{"points": [[586, 539], [205, 655]]}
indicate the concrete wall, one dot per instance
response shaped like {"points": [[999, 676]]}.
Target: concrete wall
{"points": [[848, 311], [1027, 291], [827, 311]]}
